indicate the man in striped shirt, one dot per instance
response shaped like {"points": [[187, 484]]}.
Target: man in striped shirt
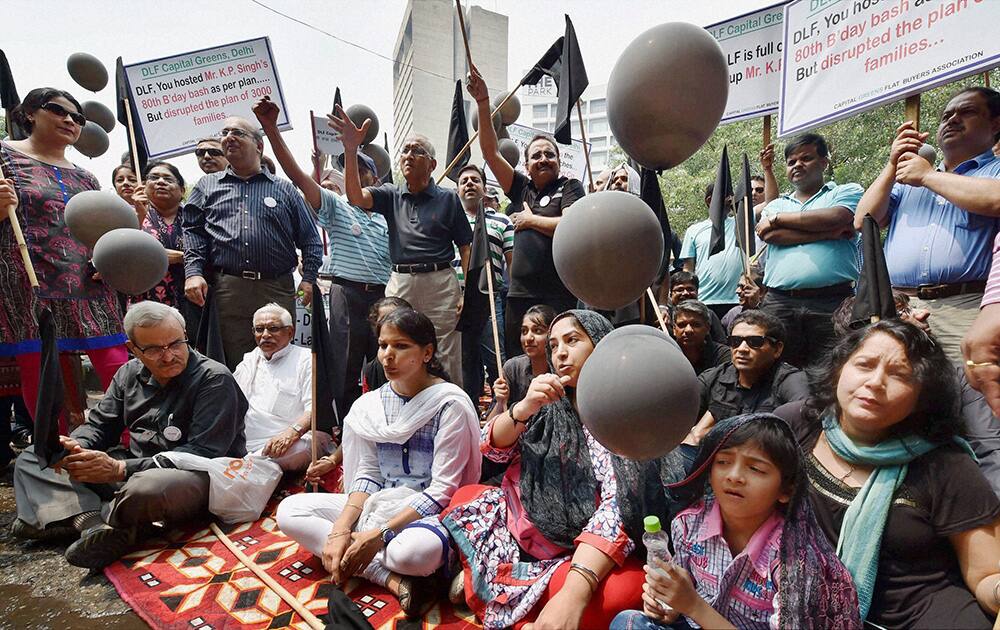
{"points": [[241, 230], [477, 347], [358, 265]]}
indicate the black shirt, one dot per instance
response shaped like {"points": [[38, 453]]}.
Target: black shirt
{"points": [[204, 402], [532, 270], [722, 394], [423, 226], [919, 583], [712, 355]]}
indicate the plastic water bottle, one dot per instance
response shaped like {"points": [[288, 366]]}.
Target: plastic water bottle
{"points": [[657, 544]]}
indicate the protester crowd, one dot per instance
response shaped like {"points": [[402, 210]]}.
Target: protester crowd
{"points": [[840, 471]]}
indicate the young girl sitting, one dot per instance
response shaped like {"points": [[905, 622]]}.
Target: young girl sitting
{"points": [[748, 553]]}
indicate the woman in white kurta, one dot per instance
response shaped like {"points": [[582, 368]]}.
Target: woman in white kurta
{"points": [[408, 446]]}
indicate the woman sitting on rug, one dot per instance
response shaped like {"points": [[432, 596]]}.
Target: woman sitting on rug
{"points": [[408, 446], [550, 542], [900, 497]]}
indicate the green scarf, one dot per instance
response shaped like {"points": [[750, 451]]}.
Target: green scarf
{"points": [[864, 522]]}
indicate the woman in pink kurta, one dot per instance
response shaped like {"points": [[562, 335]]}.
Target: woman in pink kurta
{"points": [[550, 542]]}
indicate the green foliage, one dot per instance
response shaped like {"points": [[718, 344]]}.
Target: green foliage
{"points": [[859, 147]]}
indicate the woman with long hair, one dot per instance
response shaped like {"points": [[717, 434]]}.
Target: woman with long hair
{"points": [[408, 446], [41, 180]]}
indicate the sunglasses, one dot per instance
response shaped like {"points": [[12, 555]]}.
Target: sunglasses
{"points": [[60, 111], [754, 341], [759, 189], [212, 152]]}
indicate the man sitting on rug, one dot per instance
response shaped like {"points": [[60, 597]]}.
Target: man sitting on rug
{"points": [[169, 398], [276, 378]]}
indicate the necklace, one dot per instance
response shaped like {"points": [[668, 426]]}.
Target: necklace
{"points": [[850, 467]]}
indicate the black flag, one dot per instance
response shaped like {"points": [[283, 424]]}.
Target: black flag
{"points": [[123, 97], [387, 178], [9, 99], [874, 294], [718, 209], [336, 100], [476, 307], [323, 370], [51, 392], [649, 191], [564, 63], [746, 220], [458, 134], [208, 339]]}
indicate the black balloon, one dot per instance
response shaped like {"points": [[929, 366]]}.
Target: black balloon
{"points": [[474, 120], [91, 214], [637, 393], [358, 114], [130, 260], [93, 140], [382, 160], [607, 249], [667, 93], [100, 114], [88, 71], [510, 151]]}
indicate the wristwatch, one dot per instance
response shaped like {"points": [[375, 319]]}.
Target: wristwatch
{"points": [[298, 428], [387, 535]]}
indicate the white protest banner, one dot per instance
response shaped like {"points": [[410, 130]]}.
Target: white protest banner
{"points": [[572, 161], [303, 325], [752, 43], [843, 57], [184, 98], [325, 137]]}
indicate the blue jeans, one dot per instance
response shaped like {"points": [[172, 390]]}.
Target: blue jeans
{"points": [[478, 351], [635, 620]]}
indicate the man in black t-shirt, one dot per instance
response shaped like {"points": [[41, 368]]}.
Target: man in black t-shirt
{"points": [[537, 202], [426, 223]]}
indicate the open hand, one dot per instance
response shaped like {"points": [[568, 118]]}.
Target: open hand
{"points": [[350, 136], [279, 444]]}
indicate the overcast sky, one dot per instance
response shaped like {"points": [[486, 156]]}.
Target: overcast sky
{"points": [[310, 63]]}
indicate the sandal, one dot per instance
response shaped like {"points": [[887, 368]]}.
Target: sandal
{"points": [[417, 595]]}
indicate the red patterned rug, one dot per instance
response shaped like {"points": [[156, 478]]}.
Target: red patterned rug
{"points": [[192, 582]]}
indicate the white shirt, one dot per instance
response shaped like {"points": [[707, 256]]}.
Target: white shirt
{"points": [[279, 391]]}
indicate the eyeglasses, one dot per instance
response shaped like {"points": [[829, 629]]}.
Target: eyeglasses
{"points": [[60, 111], [271, 329], [156, 177], [232, 131], [537, 155], [213, 152], [415, 151], [754, 341], [157, 352]]}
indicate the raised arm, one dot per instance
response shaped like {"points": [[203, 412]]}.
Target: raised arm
{"points": [[267, 115], [978, 195], [351, 137], [767, 167], [488, 143], [875, 201]]}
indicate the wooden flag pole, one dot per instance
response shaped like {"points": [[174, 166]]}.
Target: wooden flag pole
{"points": [[271, 583], [468, 144], [913, 110], [312, 414], [15, 225], [583, 136], [318, 176], [986, 83], [493, 309], [656, 308], [767, 130], [465, 36]]}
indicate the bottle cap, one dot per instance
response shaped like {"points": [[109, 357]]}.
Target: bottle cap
{"points": [[651, 524]]}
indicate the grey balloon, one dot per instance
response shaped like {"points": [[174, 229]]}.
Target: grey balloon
{"points": [[474, 120], [93, 140], [667, 93], [358, 114], [100, 114], [88, 71], [130, 260], [503, 133], [607, 249], [510, 151], [928, 152], [91, 214], [637, 393], [510, 111], [382, 160]]}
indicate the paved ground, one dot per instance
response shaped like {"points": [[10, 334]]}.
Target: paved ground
{"points": [[39, 590]]}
